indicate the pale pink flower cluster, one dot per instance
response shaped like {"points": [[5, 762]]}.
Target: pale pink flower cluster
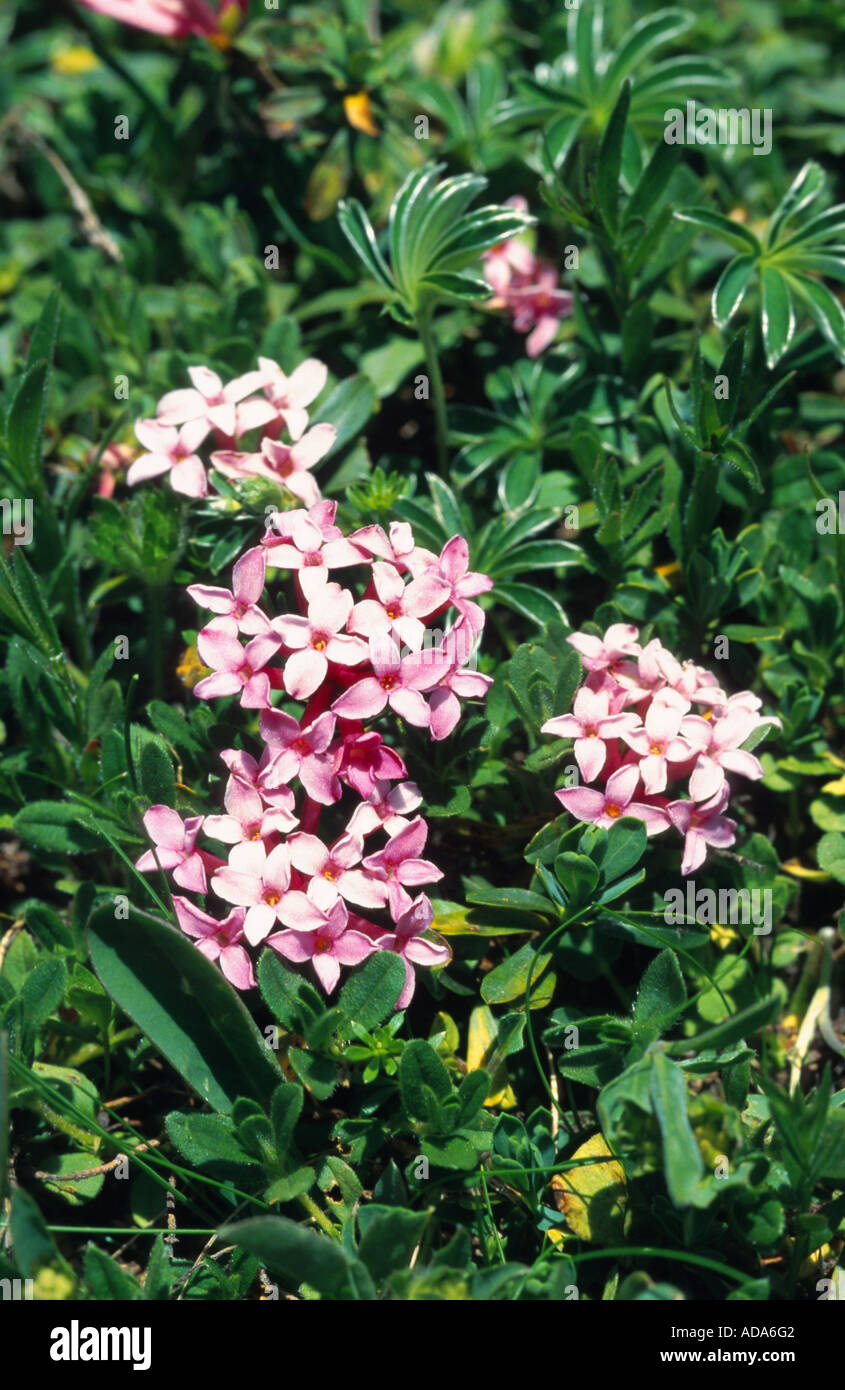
{"points": [[643, 720], [262, 405], [527, 286], [347, 660]]}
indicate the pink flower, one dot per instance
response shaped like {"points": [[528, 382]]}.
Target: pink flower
{"points": [[318, 932], [175, 843], [257, 881], [702, 826], [336, 866], [311, 544], [211, 404], [174, 451], [719, 743], [302, 753], [444, 703], [291, 394], [604, 807], [396, 682], [240, 601], [538, 308], [414, 948], [385, 809], [247, 817], [365, 760], [511, 260], [591, 725], [399, 608], [657, 743], [452, 567], [318, 639], [399, 549], [218, 940], [398, 865], [174, 18], [237, 669], [259, 777], [289, 464], [598, 653]]}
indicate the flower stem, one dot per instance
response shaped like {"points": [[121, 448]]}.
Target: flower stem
{"points": [[438, 394]]}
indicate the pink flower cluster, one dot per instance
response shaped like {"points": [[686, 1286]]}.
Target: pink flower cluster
{"points": [[346, 661], [643, 720], [262, 404], [528, 288], [176, 19]]}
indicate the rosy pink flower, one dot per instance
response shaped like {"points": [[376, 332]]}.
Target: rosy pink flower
{"points": [[210, 404], [538, 308], [396, 682], [317, 639], [237, 669], [291, 394], [598, 653], [240, 601], [399, 865], [444, 702], [247, 818], [319, 932], [311, 544], [218, 940], [591, 725], [398, 608], [701, 826], [414, 948], [452, 567], [302, 752], [173, 451], [257, 881], [289, 464], [336, 866], [387, 808], [175, 843], [365, 760], [259, 777], [175, 18], [657, 742], [719, 742], [511, 260], [604, 807], [399, 548]]}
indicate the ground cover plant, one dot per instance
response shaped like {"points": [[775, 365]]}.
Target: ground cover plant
{"points": [[422, 776]]}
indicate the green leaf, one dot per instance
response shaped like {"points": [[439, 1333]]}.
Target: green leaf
{"points": [[184, 1005], [389, 1238], [32, 1242], [204, 1139], [299, 1256], [105, 1278], [661, 997], [156, 780], [824, 309], [291, 999], [734, 233], [647, 34], [831, 855], [683, 1165], [730, 289], [610, 161], [319, 1074], [509, 980], [740, 1025], [25, 422], [348, 407], [355, 225], [42, 344], [421, 1070], [777, 314], [370, 995]]}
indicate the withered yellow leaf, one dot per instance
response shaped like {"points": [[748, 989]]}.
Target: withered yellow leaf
{"points": [[593, 1197], [359, 113]]}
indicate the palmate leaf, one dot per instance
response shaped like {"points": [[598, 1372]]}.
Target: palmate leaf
{"points": [[432, 238], [785, 266]]}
